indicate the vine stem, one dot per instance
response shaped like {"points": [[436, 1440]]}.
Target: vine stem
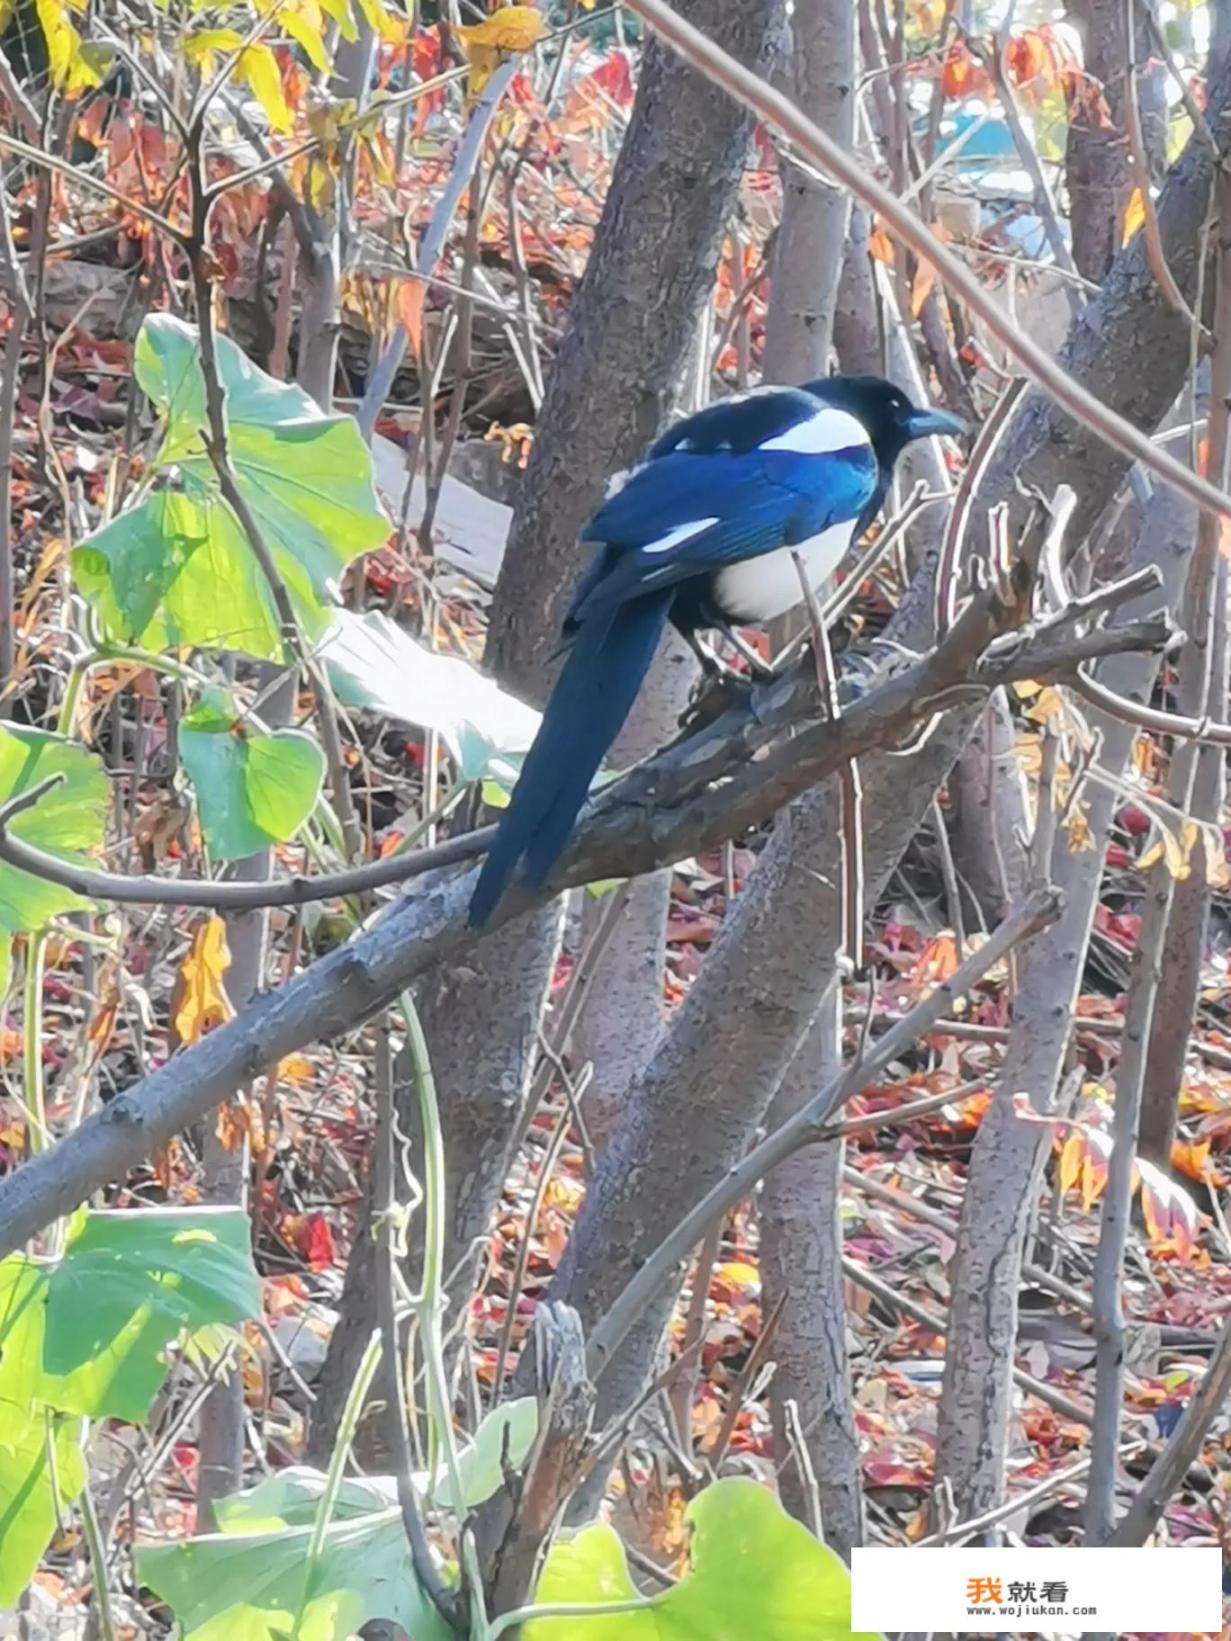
{"points": [[429, 1302], [569, 1609], [351, 1414]]}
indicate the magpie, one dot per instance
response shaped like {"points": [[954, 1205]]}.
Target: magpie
{"points": [[702, 534]]}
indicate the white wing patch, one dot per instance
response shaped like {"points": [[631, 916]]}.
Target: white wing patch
{"points": [[825, 430], [681, 533]]}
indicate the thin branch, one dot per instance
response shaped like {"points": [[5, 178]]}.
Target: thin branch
{"points": [[53, 162], [1099, 695], [776, 109], [758, 755]]}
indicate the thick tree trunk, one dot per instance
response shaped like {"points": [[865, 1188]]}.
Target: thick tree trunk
{"points": [[1097, 165], [801, 1271], [632, 322], [621, 1017], [1188, 920], [812, 235]]}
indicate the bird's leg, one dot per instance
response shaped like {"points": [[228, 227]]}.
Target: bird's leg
{"points": [[761, 671], [713, 667], [719, 686]]}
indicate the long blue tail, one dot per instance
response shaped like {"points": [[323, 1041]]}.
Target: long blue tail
{"points": [[592, 698]]}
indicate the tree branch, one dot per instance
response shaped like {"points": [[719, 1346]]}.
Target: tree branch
{"points": [[705, 786]]}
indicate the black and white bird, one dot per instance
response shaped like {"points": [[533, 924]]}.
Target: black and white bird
{"points": [[702, 534]]}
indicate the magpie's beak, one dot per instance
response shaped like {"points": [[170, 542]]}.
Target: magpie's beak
{"points": [[923, 424]]}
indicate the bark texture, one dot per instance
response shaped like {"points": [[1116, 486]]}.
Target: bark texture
{"points": [[1188, 921], [1097, 167], [812, 236], [801, 1270]]}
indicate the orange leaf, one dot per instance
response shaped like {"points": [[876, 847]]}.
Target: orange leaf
{"points": [[201, 1002], [1134, 216], [880, 246], [410, 299], [1070, 1163]]}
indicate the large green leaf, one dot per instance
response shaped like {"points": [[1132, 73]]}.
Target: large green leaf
{"points": [[86, 1334], [289, 1498], [755, 1572], [67, 821], [247, 1581], [249, 1587], [42, 1470], [254, 788], [178, 568], [185, 1267], [177, 571]]}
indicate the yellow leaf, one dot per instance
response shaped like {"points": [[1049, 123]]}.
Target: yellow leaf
{"points": [[1134, 215], [304, 21], [379, 20], [509, 30], [201, 1001], [203, 48], [1070, 1163], [70, 72], [340, 12], [257, 68]]}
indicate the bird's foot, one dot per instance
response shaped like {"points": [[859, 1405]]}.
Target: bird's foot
{"points": [[717, 692]]}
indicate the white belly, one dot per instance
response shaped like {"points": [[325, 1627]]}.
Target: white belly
{"points": [[761, 589]]}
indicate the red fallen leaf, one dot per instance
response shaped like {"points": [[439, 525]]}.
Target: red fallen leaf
{"points": [[314, 1242], [1134, 821], [1118, 855], [893, 1473]]}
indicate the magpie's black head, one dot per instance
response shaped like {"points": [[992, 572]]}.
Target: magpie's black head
{"points": [[890, 418]]}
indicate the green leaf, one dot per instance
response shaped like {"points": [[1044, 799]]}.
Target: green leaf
{"points": [[248, 1587], [504, 1437], [755, 1572], [42, 1470], [178, 569], [190, 1266], [86, 1335], [373, 663], [67, 821], [254, 788], [290, 1498]]}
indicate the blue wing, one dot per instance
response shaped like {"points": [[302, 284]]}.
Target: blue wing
{"points": [[742, 503]]}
